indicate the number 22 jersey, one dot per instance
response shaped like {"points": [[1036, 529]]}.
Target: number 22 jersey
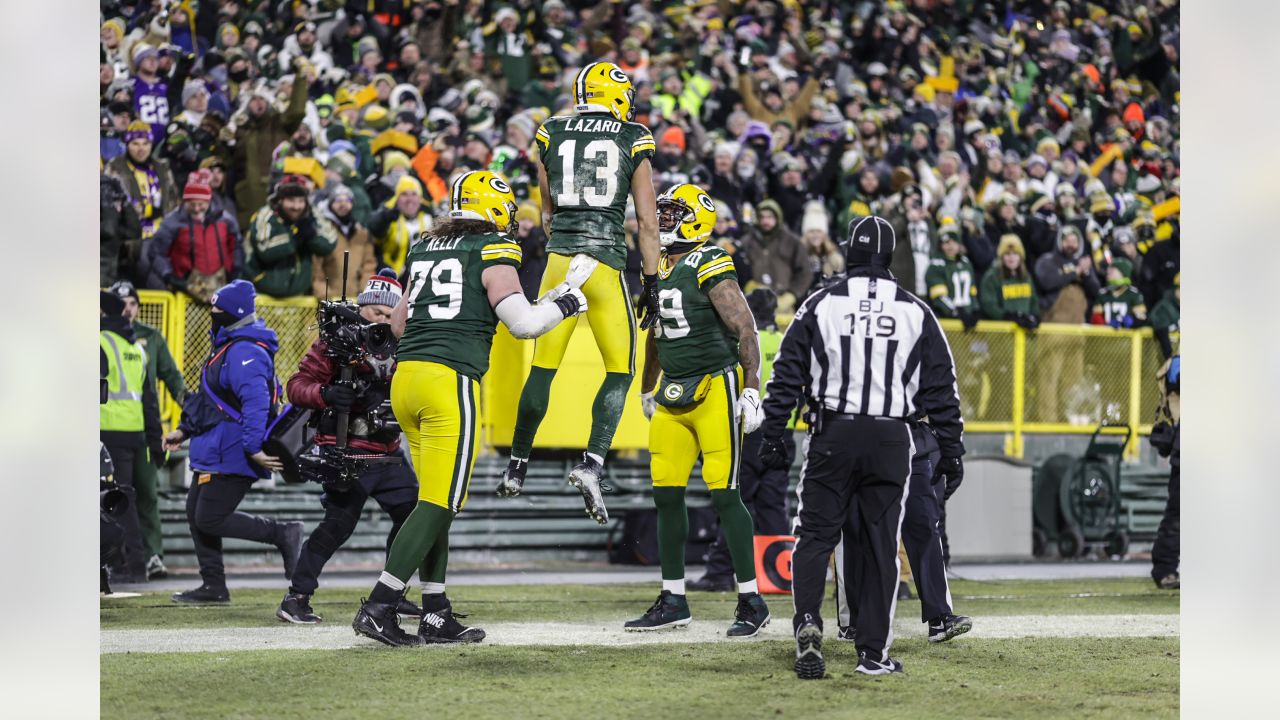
{"points": [[589, 161], [450, 319]]}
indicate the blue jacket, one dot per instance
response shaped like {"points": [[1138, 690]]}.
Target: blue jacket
{"points": [[247, 375]]}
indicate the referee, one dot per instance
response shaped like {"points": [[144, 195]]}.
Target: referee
{"points": [[867, 355]]}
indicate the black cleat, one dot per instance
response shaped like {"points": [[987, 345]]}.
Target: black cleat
{"points": [[586, 477], [296, 609], [156, 569], [406, 608], [1172, 581], [752, 615], [867, 666], [810, 664], [289, 543], [203, 594], [439, 625], [707, 583], [904, 591], [380, 622], [948, 626], [846, 634], [512, 481], [668, 611]]}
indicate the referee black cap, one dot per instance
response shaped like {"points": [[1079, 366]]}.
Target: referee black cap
{"points": [[871, 241]]}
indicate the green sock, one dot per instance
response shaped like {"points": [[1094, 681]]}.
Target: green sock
{"points": [[532, 408], [437, 559], [673, 530], [607, 411], [420, 532], [739, 532]]}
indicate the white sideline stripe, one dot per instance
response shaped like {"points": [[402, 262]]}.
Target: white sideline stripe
{"points": [[337, 634]]}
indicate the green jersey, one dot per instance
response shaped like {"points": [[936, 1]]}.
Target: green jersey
{"points": [[1002, 295], [952, 286], [450, 319], [692, 339], [1119, 307], [589, 161]]}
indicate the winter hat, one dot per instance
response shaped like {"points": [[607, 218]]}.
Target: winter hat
{"points": [[673, 135], [1133, 113], [815, 218], [948, 228], [341, 191], [124, 289], [1124, 265], [407, 183], [290, 187], [1099, 202], [197, 188], [1011, 243], [191, 88], [527, 210], [110, 304], [381, 289], [137, 130], [236, 298]]}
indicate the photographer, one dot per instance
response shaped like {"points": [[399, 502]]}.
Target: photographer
{"points": [[317, 385], [227, 420]]}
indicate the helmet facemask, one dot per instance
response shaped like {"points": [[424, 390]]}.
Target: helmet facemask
{"points": [[672, 213]]}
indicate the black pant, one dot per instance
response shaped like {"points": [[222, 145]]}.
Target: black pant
{"points": [[764, 492], [856, 466], [133, 562], [394, 487], [1166, 550], [212, 516], [921, 535]]}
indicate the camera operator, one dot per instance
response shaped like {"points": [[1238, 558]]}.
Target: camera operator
{"points": [[129, 424], [227, 419], [318, 385]]}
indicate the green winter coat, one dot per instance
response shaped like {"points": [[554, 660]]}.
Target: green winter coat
{"points": [[1002, 296], [1166, 313], [279, 254], [256, 139], [160, 364]]}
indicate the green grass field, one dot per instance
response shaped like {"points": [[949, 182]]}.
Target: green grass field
{"points": [[973, 676]]}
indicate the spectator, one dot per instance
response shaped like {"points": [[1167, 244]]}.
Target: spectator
{"points": [[825, 258], [1120, 305], [149, 185], [950, 279], [350, 236], [915, 231], [117, 225], [197, 249], [399, 223], [282, 238], [1066, 268], [778, 258], [1165, 316], [150, 91], [258, 129], [533, 246], [1007, 292]]}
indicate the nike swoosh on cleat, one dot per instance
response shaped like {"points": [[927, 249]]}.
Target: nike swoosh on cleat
{"points": [[374, 623]]}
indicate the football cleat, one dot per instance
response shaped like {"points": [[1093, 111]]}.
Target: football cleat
{"points": [[846, 634], [513, 478], [440, 625], [406, 608], [380, 622], [867, 666], [203, 594], [289, 543], [296, 609], [156, 569], [586, 477], [752, 615], [810, 664], [668, 611], [948, 626], [1172, 581]]}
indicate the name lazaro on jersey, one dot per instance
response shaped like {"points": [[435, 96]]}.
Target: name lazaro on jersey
{"points": [[589, 160], [450, 319], [691, 337]]}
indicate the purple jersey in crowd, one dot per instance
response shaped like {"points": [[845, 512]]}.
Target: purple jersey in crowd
{"points": [[151, 105]]}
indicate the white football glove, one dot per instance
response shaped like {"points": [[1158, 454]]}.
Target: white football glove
{"points": [[571, 302], [648, 404], [750, 411]]}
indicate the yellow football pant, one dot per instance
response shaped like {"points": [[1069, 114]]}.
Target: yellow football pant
{"points": [[709, 427], [436, 407], [608, 311]]}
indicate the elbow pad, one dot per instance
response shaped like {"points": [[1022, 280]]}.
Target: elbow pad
{"points": [[529, 321]]}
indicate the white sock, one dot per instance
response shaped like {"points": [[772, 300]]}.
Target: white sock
{"points": [[595, 457], [432, 588], [675, 587], [748, 587], [391, 581], [522, 460]]}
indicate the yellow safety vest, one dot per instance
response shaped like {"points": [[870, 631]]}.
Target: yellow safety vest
{"points": [[126, 373]]}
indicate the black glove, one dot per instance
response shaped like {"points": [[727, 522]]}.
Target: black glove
{"points": [[951, 470], [338, 396], [1027, 321], [648, 301], [969, 318], [773, 454], [568, 304], [158, 455]]}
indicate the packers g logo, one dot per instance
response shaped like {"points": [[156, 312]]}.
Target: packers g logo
{"points": [[705, 201], [618, 76], [673, 392], [499, 184]]}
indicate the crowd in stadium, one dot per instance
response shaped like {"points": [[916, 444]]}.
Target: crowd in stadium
{"points": [[1026, 152]]}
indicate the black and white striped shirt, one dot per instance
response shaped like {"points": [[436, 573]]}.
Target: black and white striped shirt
{"points": [[865, 346]]}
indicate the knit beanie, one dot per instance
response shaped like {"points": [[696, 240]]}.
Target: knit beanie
{"points": [[197, 188], [137, 130], [236, 298], [673, 135], [381, 289], [814, 218]]}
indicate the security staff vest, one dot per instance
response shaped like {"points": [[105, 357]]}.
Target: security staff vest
{"points": [[126, 373]]}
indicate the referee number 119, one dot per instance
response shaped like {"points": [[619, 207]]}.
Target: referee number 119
{"points": [[874, 324]]}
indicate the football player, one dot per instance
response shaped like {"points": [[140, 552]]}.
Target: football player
{"points": [[462, 281], [708, 352], [588, 163]]}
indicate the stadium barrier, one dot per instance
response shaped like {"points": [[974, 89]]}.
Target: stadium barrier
{"points": [[1057, 379]]}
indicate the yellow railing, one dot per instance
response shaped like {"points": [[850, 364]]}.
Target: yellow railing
{"points": [[1055, 379]]}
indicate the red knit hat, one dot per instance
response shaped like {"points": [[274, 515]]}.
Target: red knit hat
{"points": [[673, 135], [197, 188], [1133, 113], [381, 289]]}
